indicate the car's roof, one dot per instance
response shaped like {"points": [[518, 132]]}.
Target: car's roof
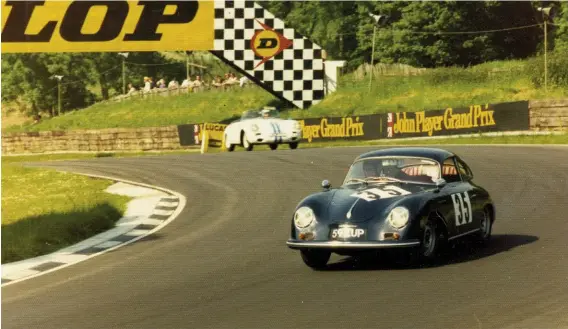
{"points": [[425, 152]]}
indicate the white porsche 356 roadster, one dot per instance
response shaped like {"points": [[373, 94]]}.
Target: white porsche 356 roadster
{"points": [[262, 127]]}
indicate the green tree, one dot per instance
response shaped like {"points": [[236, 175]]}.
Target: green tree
{"points": [[30, 78], [561, 28]]}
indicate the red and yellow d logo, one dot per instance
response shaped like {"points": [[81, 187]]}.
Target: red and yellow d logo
{"points": [[268, 43]]}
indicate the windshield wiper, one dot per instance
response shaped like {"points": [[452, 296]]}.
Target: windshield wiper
{"points": [[383, 178], [357, 180]]}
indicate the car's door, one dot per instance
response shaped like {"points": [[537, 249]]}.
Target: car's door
{"points": [[476, 195], [455, 200]]}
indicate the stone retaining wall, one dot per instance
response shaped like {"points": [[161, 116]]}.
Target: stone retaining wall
{"points": [[103, 140], [549, 114]]}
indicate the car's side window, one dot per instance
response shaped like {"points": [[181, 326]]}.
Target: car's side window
{"points": [[464, 170], [449, 171]]}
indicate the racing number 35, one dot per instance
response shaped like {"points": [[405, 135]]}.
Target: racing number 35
{"points": [[462, 208], [384, 193]]}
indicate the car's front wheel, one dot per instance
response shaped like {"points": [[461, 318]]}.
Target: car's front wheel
{"points": [[316, 259], [244, 141], [432, 240], [294, 145], [230, 147]]}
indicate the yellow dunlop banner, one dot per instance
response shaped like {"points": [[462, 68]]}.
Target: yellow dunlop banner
{"points": [[99, 26]]}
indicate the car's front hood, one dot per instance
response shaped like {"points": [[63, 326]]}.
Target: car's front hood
{"points": [[364, 203], [273, 125]]}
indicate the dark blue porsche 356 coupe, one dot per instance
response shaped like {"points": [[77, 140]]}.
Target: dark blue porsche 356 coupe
{"points": [[417, 198]]}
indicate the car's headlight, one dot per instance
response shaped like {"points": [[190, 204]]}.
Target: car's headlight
{"points": [[297, 125], [398, 217], [254, 127], [304, 217]]}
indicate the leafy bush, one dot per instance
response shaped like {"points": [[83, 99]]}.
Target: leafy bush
{"points": [[557, 70]]}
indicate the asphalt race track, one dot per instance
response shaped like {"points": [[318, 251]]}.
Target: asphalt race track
{"points": [[223, 262]]}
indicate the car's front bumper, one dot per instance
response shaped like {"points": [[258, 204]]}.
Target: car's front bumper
{"points": [[300, 244], [269, 138]]}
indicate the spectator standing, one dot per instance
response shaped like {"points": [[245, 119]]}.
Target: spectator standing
{"points": [[131, 89], [147, 84], [173, 84], [197, 84], [217, 83], [186, 84]]}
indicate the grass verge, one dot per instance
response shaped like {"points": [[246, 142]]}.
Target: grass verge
{"points": [[44, 210], [435, 89]]}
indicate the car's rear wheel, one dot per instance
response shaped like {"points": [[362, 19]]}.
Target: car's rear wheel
{"points": [[273, 146], [230, 147], [485, 226], [316, 259], [244, 141], [294, 146]]}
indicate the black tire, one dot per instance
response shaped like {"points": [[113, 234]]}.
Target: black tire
{"points": [[273, 146], [230, 147], [432, 240], [485, 226], [316, 259], [294, 145], [248, 146]]}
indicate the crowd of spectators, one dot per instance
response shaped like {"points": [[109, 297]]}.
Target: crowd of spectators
{"points": [[229, 81]]}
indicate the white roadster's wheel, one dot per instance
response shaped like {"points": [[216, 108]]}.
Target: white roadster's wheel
{"points": [[246, 144], [230, 147]]}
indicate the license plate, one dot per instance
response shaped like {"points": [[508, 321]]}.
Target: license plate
{"points": [[347, 233]]}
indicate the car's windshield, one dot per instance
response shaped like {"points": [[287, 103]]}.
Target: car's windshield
{"points": [[270, 113], [394, 168], [266, 113], [251, 114]]}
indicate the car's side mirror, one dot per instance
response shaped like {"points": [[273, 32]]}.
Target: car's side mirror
{"points": [[325, 184]]}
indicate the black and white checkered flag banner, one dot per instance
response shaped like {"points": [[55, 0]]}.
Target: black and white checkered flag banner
{"points": [[276, 57]]}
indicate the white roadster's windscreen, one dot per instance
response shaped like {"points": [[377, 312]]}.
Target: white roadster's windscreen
{"points": [[410, 169]]}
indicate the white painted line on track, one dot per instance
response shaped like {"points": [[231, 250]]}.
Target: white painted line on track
{"points": [[108, 244]]}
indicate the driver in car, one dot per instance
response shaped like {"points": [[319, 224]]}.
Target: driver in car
{"points": [[373, 168], [389, 168], [265, 114]]}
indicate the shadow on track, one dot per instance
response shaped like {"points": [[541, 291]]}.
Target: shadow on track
{"points": [[459, 252]]}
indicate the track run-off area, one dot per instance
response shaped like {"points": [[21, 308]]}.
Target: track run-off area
{"points": [[223, 262]]}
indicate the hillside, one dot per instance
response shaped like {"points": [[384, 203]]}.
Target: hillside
{"points": [[432, 89]]}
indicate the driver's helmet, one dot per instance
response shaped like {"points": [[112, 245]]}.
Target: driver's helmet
{"points": [[265, 113], [371, 168], [391, 167]]}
